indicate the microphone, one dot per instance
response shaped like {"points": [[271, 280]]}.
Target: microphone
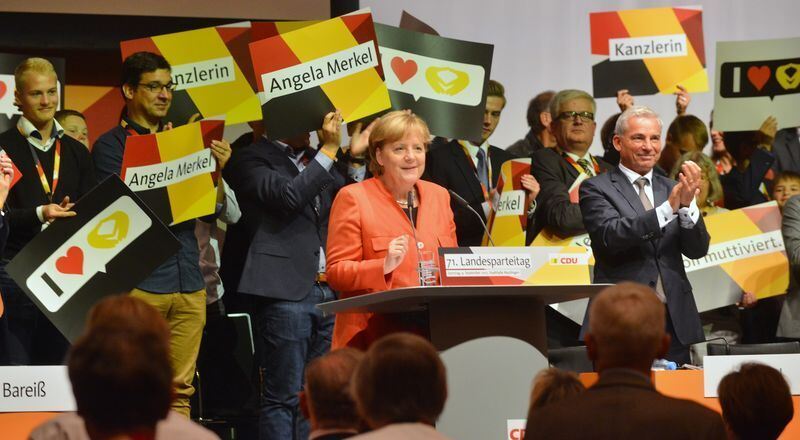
{"points": [[410, 202], [465, 204], [720, 338]]}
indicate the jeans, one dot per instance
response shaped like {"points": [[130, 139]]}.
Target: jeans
{"points": [[288, 335]]}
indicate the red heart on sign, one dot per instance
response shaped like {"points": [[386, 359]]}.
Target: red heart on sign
{"points": [[404, 69], [3, 89], [758, 76], [72, 263]]}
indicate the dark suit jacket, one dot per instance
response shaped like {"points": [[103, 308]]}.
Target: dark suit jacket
{"points": [[743, 189], [786, 149], [553, 207], [449, 167], [628, 245], [624, 405], [281, 228]]}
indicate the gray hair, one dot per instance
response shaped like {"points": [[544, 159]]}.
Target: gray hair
{"points": [[569, 95], [637, 111]]}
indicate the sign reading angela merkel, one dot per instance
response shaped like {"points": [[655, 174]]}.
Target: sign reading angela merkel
{"points": [[211, 70], [648, 51], [305, 73], [509, 221], [174, 171]]}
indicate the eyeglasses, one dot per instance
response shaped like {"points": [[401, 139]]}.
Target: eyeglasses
{"points": [[156, 87], [585, 116]]}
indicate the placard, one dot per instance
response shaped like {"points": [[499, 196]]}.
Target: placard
{"points": [[509, 221], [440, 79], [34, 388], [306, 73], [757, 79], [112, 243], [212, 70], [648, 51], [174, 171]]}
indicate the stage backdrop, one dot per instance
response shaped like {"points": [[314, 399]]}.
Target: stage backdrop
{"points": [[547, 45]]}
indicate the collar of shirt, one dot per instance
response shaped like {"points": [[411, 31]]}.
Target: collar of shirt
{"points": [[473, 150], [33, 136], [576, 158], [138, 128], [633, 175]]}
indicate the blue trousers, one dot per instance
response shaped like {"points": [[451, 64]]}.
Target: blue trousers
{"points": [[288, 335]]}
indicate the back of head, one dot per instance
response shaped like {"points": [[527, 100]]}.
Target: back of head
{"points": [[540, 103], [400, 380], [685, 128], [756, 402], [34, 65], [328, 380], [553, 385], [626, 327], [122, 380], [120, 369]]}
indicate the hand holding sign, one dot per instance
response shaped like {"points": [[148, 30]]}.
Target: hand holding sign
{"points": [[222, 152]]}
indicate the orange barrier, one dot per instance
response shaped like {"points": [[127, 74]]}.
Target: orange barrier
{"points": [[17, 426]]}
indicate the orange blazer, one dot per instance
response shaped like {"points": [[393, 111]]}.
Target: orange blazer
{"points": [[364, 219]]}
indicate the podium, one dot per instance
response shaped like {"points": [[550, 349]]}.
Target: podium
{"points": [[492, 339]]}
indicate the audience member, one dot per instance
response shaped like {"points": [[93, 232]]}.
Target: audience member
{"points": [[326, 400], [685, 134], [285, 189], [786, 185], [626, 333], [785, 148], [176, 288], [710, 187], [471, 170], [74, 124], [557, 169], [756, 402], [122, 379], [539, 120], [749, 180], [400, 388], [56, 171], [719, 153], [552, 386], [641, 224]]}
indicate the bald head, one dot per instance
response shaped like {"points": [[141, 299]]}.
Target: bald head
{"points": [[626, 327]]}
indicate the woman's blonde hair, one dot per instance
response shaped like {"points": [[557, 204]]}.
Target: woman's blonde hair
{"points": [[392, 127], [708, 169]]}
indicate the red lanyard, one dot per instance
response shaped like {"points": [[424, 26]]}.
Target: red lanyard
{"points": [[56, 166], [580, 168]]}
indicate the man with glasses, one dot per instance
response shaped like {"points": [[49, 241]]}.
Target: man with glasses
{"points": [[176, 288], [56, 171], [557, 169]]}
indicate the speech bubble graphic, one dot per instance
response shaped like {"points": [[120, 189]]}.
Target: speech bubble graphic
{"points": [[788, 76], [444, 80], [100, 240], [7, 86], [769, 78]]}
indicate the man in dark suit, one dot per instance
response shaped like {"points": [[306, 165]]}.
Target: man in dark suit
{"points": [[786, 148], [285, 190], [626, 334], [556, 169], [471, 170], [640, 223], [56, 171]]}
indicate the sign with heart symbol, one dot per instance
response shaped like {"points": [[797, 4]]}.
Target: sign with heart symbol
{"points": [[112, 243], [757, 79], [440, 79]]}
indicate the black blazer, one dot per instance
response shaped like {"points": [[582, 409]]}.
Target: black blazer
{"points": [[76, 178], [628, 245], [553, 207], [281, 228], [449, 167], [786, 149], [623, 404]]}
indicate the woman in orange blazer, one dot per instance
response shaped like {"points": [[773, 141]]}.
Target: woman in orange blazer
{"points": [[370, 240]]}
